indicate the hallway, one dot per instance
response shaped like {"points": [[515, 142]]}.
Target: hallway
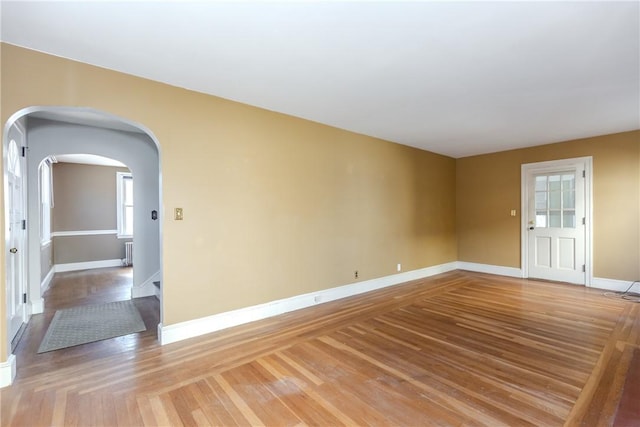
{"points": [[72, 289]]}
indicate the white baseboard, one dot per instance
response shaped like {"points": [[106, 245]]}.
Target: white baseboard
{"points": [[47, 280], [491, 269], [7, 371], [614, 285], [37, 306], [147, 289], [75, 266], [193, 328]]}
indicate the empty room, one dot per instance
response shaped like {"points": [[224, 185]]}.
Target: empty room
{"points": [[320, 213]]}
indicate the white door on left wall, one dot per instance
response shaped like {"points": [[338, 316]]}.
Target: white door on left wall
{"points": [[16, 237]]}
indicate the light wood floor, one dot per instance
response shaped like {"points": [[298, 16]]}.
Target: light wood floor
{"points": [[455, 349]]}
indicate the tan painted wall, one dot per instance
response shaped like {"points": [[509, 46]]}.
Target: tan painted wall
{"points": [[277, 206], [274, 206], [488, 187], [70, 249], [84, 197]]}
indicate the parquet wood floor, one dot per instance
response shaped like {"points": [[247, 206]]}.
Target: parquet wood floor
{"points": [[460, 348]]}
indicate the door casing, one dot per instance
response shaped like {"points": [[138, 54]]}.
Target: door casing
{"points": [[19, 288], [551, 166]]}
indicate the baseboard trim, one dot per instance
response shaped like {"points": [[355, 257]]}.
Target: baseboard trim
{"points": [[491, 269], [7, 371], [37, 306], [46, 282], [88, 265], [147, 289], [193, 328], [614, 285]]}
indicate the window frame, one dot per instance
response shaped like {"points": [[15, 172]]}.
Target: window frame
{"points": [[45, 180], [121, 177]]}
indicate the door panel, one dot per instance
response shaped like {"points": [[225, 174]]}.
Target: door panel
{"points": [[16, 237], [566, 253], [543, 251], [556, 232]]}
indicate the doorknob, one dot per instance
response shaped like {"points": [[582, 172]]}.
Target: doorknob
{"points": [[13, 250], [531, 228]]}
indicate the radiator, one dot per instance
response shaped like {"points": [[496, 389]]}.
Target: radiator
{"points": [[128, 254]]}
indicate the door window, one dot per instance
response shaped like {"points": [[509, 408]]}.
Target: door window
{"points": [[13, 159], [555, 200]]}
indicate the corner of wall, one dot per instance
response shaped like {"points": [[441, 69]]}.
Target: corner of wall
{"points": [[147, 289]]}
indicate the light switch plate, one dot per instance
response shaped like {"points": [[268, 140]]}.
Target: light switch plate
{"points": [[178, 214], [513, 212]]}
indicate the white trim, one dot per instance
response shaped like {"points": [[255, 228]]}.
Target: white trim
{"points": [[491, 269], [614, 285], [74, 266], [147, 289], [193, 328], [82, 233], [47, 280], [551, 166], [7, 371], [37, 306], [120, 178], [45, 169]]}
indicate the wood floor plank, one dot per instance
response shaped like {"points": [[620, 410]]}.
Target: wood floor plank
{"points": [[295, 394], [459, 348]]}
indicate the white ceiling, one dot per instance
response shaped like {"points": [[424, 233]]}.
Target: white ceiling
{"points": [[456, 78]]}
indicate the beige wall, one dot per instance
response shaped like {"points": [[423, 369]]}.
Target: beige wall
{"points": [[71, 249], [85, 199], [488, 187], [274, 206]]}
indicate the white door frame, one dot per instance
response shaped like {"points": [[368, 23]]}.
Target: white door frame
{"points": [[551, 166], [23, 244]]}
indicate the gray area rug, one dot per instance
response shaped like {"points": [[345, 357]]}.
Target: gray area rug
{"points": [[85, 324]]}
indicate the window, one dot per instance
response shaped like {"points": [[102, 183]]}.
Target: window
{"points": [[46, 201], [556, 200], [125, 204]]}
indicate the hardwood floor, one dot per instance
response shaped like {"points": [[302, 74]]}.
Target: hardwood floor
{"points": [[456, 349]]}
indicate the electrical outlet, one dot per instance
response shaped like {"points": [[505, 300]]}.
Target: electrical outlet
{"points": [[399, 267], [355, 274]]}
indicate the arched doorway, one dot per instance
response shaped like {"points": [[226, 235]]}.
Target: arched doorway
{"points": [[66, 130]]}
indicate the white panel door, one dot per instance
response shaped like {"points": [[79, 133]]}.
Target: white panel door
{"points": [[556, 224], [15, 239]]}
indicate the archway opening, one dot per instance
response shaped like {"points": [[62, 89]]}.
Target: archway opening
{"points": [[57, 136]]}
